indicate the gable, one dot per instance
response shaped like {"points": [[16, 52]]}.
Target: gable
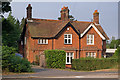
{"points": [[68, 24], [92, 25]]}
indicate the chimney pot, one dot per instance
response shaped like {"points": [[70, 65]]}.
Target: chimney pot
{"points": [[29, 11], [96, 17], [64, 13]]}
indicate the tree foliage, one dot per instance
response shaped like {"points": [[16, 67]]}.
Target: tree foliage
{"points": [[114, 44], [70, 17], [117, 53], [6, 7], [10, 31]]}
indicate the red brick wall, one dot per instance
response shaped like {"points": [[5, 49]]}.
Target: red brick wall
{"points": [[97, 42], [32, 48]]}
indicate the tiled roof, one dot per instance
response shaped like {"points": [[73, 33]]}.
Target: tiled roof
{"points": [[50, 28]]}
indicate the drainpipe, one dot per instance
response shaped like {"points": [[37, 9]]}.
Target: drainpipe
{"points": [[52, 43], [79, 44]]}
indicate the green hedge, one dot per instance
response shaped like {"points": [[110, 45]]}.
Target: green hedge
{"points": [[55, 58], [89, 64]]}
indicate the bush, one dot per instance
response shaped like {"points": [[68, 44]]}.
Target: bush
{"points": [[55, 58], [7, 52], [89, 64], [117, 53], [13, 63], [19, 65]]}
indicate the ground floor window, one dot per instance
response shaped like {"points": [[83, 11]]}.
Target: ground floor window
{"points": [[91, 54], [69, 57]]}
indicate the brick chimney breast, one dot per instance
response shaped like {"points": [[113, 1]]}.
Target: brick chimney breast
{"points": [[29, 11], [96, 17], [64, 13]]}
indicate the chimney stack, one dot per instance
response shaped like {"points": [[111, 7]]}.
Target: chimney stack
{"points": [[29, 11], [96, 17], [64, 13]]}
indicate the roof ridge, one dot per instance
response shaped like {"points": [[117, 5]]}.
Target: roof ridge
{"points": [[83, 21], [45, 19]]}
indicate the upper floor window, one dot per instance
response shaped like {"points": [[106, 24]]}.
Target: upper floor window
{"points": [[67, 38], [42, 41], [90, 39]]}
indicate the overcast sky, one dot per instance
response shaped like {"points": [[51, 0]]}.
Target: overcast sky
{"points": [[82, 11]]}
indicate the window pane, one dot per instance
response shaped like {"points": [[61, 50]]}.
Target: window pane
{"points": [[69, 41], [68, 59], [69, 36], [21, 42], [46, 41], [91, 41], [65, 36], [65, 40], [67, 54], [71, 59], [43, 41], [91, 36], [40, 41]]}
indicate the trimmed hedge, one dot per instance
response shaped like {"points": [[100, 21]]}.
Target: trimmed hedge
{"points": [[89, 64], [55, 58]]}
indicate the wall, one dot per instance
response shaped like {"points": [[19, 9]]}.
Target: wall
{"points": [[97, 43]]}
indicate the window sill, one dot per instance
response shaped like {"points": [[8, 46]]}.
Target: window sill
{"points": [[68, 44], [68, 63], [42, 44], [90, 44]]}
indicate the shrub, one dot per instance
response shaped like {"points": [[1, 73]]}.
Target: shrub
{"points": [[19, 65], [7, 52], [89, 64], [117, 53], [13, 63], [55, 58]]}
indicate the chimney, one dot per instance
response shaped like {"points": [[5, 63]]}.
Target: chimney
{"points": [[96, 17], [29, 11], [64, 13]]}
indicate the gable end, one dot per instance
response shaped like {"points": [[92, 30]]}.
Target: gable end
{"points": [[68, 24], [92, 25]]}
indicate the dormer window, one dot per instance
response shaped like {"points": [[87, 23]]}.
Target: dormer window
{"points": [[67, 38], [42, 41], [90, 39]]}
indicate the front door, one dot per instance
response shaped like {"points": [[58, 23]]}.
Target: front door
{"points": [[42, 60], [69, 57]]}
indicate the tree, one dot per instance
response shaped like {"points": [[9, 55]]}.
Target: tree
{"points": [[114, 43], [70, 17], [117, 53], [6, 7], [10, 31]]}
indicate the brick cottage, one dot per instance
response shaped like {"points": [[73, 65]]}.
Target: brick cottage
{"points": [[77, 38]]}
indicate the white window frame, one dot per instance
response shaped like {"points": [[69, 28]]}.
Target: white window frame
{"points": [[25, 40], [42, 41], [69, 57], [90, 54], [89, 39], [21, 42], [68, 38]]}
